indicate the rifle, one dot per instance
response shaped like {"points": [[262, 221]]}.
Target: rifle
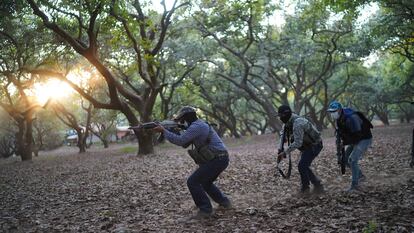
{"points": [[412, 149], [412, 152], [280, 150], [170, 125], [340, 153]]}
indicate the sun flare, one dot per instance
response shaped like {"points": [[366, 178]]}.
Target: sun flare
{"points": [[53, 89]]}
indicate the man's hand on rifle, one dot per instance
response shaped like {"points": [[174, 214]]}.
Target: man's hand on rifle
{"points": [[159, 129]]}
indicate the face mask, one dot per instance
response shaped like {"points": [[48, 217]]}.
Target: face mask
{"points": [[335, 115], [184, 123], [285, 117]]}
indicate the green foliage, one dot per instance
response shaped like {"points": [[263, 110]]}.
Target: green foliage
{"points": [[49, 132], [7, 135], [371, 228], [296, 53]]}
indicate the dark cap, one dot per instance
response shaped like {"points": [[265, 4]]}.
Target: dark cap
{"points": [[283, 110], [184, 110]]}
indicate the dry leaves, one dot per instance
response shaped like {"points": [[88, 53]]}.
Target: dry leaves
{"points": [[106, 191]]}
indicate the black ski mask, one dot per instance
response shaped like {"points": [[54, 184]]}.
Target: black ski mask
{"points": [[284, 112], [189, 118], [285, 117]]}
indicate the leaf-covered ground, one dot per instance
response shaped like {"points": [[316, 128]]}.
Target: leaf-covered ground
{"points": [[113, 191]]}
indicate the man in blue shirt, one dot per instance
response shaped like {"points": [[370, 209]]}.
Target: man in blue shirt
{"points": [[200, 183], [354, 130]]}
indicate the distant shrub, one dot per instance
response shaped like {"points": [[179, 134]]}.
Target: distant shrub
{"points": [[7, 146], [52, 141]]}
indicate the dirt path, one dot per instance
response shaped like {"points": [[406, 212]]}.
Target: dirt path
{"points": [[112, 191]]}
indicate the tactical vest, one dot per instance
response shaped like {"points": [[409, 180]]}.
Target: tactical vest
{"points": [[311, 135]]}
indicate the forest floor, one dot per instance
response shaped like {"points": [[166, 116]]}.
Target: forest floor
{"points": [[113, 190]]}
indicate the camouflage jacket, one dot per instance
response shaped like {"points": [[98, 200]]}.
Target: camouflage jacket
{"points": [[301, 132]]}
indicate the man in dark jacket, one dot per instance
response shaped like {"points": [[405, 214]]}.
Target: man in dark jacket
{"points": [[303, 136], [355, 131], [200, 183]]}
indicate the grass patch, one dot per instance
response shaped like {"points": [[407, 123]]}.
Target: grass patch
{"points": [[129, 149]]}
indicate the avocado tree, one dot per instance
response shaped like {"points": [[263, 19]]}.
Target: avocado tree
{"points": [[21, 46], [135, 37]]}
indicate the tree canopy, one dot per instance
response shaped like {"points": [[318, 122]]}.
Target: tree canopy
{"points": [[236, 61]]}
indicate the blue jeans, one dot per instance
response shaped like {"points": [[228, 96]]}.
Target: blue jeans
{"points": [[355, 154], [200, 183], [306, 174]]}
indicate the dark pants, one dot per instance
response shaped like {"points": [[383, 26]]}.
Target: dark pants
{"points": [[200, 183], [306, 174], [412, 152], [412, 146]]}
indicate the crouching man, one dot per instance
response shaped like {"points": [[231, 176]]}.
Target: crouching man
{"points": [[301, 134], [209, 153]]}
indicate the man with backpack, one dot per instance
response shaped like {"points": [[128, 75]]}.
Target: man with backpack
{"points": [[354, 130], [301, 134]]}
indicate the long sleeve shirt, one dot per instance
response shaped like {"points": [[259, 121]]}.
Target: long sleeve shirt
{"points": [[300, 125], [197, 133]]}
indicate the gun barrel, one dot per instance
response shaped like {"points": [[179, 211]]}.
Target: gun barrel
{"points": [[168, 124], [148, 125]]}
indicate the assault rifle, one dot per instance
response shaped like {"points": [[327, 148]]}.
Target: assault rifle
{"points": [[280, 150], [170, 125], [340, 153], [412, 149], [412, 152]]}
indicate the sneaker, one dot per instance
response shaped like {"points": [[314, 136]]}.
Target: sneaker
{"points": [[354, 188], [318, 189]]}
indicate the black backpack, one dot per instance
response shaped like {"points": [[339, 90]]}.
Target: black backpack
{"points": [[366, 125]]}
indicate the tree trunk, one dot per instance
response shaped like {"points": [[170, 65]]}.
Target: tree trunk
{"points": [[24, 139], [81, 141], [28, 140], [383, 117], [105, 143], [145, 143]]}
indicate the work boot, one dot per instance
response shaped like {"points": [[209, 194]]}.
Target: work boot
{"points": [[318, 189], [226, 205], [201, 215], [354, 188], [304, 192]]}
